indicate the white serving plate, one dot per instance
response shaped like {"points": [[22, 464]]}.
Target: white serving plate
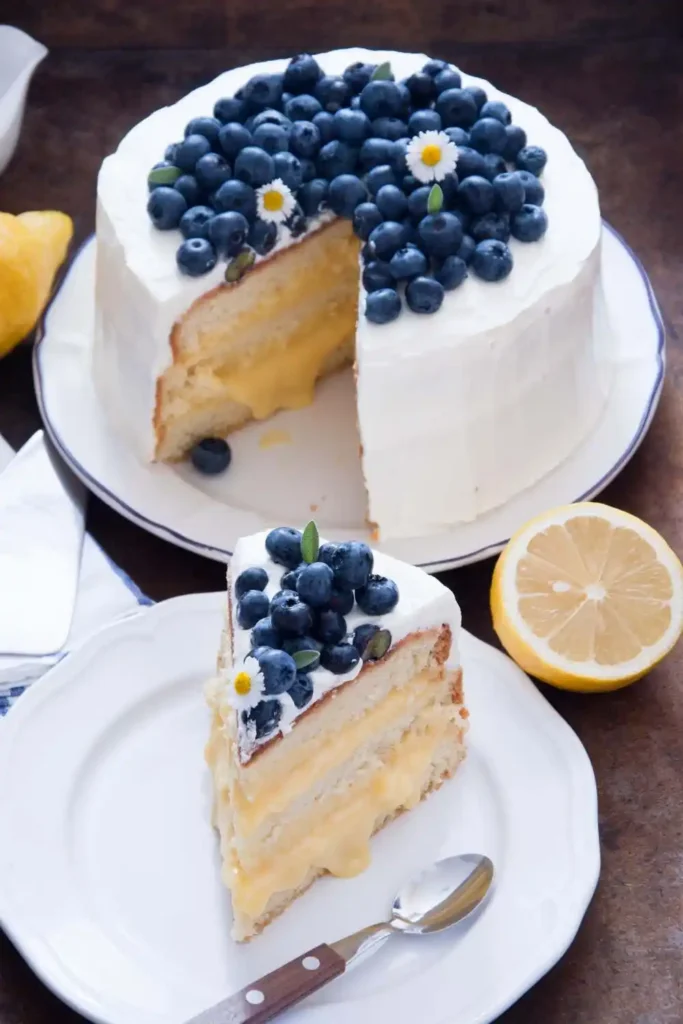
{"points": [[318, 472], [109, 868]]}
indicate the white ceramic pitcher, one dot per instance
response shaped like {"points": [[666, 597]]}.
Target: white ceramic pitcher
{"points": [[19, 57]]}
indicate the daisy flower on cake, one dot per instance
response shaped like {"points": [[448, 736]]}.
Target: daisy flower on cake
{"points": [[274, 201], [245, 685], [430, 156]]}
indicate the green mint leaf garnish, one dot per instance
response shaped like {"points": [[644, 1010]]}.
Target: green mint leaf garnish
{"points": [[378, 646], [237, 266], [310, 543], [302, 659], [435, 199], [163, 175], [382, 73]]}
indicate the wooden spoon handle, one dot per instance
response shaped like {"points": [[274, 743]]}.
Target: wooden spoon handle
{"points": [[277, 991]]}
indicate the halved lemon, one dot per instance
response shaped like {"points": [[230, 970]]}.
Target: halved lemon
{"points": [[587, 597]]}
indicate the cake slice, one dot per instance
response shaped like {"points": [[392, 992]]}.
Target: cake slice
{"points": [[337, 705]]}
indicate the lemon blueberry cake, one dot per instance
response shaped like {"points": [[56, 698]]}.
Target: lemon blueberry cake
{"points": [[337, 705], [376, 208]]}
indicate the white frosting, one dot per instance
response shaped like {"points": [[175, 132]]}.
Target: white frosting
{"points": [[457, 411], [423, 604]]}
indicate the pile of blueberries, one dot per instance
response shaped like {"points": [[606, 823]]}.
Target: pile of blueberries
{"points": [[307, 614], [339, 142]]}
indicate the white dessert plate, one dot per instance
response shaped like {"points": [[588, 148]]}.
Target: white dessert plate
{"points": [[305, 463], [109, 867]]}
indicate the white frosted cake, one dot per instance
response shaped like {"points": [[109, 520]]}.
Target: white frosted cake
{"points": [[309, 762], [480, 386]]}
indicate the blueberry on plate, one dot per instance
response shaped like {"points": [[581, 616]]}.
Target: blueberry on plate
{"points": [[531, 158], [342, 601], [290, 615], [238, 196], [265, 717], [358, 75], [387, 239], [508, 192], [324, 122], [304, 139], [488, 136], [362, 635], [423, 295], [251, 607], [424, 121], [289, 579], [351, 126], [279, 670], [196, 256], [476, 195], [466, 250], [336, 158], [264, 634], [190, 150], [263, 91], [408, 262], [301, 690], [312, 195], [495, 224], [262, 236], [478, 95], [206, 126], [379, 596], [516, 140], [377, 275], [303, 108], [339, 659], [497, 110], [381, 98], [452, 272], [211, 171], [302, 72], [534, 192], [314, 585], [382, 306], [492, 260], [391, 128], [441, 234], [271, 137], [375, 153], [366, 217], [330, 627], [382, 174], [228, 108], [254, 578], [391, 202], [352, 563], [165, 207], [456, 108], [345, 194], [287, 167], [417, 202], [211, 455], [529, 224], [433, 67], [332, 92], [422, 89], [449, 78], [470, 163], [233, 138], [283, 544]]}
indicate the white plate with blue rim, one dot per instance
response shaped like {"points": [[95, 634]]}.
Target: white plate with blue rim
{"points": [[110, 869], [317, 472]]}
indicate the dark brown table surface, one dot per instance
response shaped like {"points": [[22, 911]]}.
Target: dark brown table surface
{"points": [[619, 96]]}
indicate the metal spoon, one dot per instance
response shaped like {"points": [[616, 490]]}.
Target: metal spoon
{"points": [[437, 898]]}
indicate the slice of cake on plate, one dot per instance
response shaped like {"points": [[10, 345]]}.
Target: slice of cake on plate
{"points": [[337, 705]]}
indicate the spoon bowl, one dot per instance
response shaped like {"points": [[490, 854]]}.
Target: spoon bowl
{"points": [[442, 895]]}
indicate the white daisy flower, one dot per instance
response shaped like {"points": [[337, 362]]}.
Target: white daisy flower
{"points": [[245, 685], [274, 201], [430, 156]]}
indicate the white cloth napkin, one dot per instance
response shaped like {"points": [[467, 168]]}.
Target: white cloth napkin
{"points": [[105, 594]]}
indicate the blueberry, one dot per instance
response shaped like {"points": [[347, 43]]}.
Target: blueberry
{"points": [[379, 596], [254, 167], [466, 250], [377, 276], [464, 217], [263, 91], [333, 93], [296, 222], [165, 207], [491, 225], [476, 195], [195, 257], [406, 100], [308, 169], [336, 158], [279, 671], [314, 585], [424, 121], [412, 236], [330, 627], [346, 193], [272, 138], [290, 578], [493, 166], [358, 75], [449, 187], [478, 95], [447, 79], [417, 202], [391, 128], [516, 140], [529, 224], [301, 690], [381, 98], [378, 176], [488, 136], [302, 643], [229, 109], [233, 138], [441, 234], [456, 109], [283, 544], [423, 295], [408, 262], [391, 202], [534, 192], [262, 236], [409, 184], [339, 659], [508, 192], [375, 152], [206, 126], [303, 71], [211, 171], [325, 124], [304, 139], [289, 614], [264, 634], [252, 606], [459, 136], [303, 108], [228, 232], [326, 552], [398, 157], [253, 578], [362, 635], [532, 158], [497, 110], [366, 217], [422, 89], [238, 196], [387, 238], [352, 563], [451, 273], [312, 194], [287, 167], [211, 456], [351, 126], [195, 223], [265, 717], [383, 306], [434, 67], [190, 150], [342, 601], [492, 260], [270, 117], [470, 163]]}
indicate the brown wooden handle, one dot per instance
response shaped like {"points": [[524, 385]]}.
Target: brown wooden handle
{"points": [[275, 992]]}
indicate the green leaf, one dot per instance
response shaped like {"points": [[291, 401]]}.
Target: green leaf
{"points": [[435, 199], [382, 73], [310, 543], [237, 266], [304, 659], [378, 646], [163, 175]]}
